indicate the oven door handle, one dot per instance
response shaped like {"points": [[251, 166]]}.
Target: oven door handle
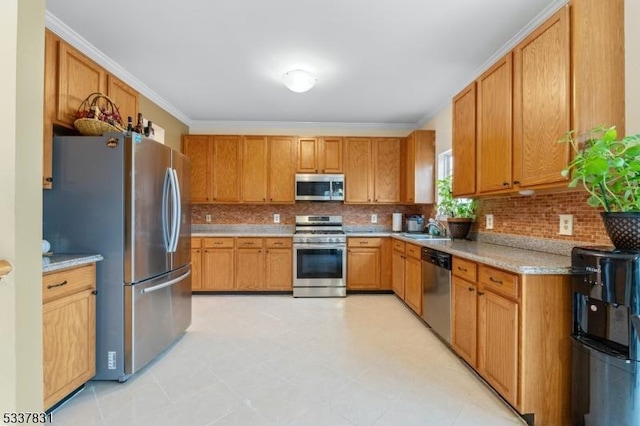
{"points": [[329, 246]]}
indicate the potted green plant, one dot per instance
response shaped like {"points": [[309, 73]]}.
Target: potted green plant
{"points": [[609, 169], [460, 212]]}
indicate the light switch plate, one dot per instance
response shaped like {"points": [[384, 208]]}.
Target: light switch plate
{"points": [[566, 224], [207, 218], [374, 218], [489, 221], [276, 218]]}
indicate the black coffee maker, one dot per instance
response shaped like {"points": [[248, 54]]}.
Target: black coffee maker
{"points": [[606, 337]]}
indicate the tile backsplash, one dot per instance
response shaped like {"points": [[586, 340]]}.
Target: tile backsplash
{"points": [[538, 216], [258, 214], [533, 216]]}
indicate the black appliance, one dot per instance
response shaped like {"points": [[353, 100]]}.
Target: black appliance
{"points": [[606, 337]]}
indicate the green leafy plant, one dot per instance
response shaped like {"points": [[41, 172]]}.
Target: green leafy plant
{"points": [[454, 207], [608, 168]]}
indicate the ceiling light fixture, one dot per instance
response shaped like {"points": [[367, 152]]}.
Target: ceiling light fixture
{"points": [[299, 81]]}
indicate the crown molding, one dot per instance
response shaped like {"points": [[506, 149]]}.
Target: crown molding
{"points": [[63, 31], [301, 125], [506, 48]]}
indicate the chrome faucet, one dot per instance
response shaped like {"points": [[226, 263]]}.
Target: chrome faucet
{"points": [[438, 225]]}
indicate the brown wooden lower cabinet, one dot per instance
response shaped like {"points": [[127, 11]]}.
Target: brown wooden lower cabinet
{"points": [[68, 330], [407, 274], [368, 263], [515, 331], [241, 264]]}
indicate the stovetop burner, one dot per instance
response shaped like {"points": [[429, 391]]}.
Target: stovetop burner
{"points": [[319, 229]]}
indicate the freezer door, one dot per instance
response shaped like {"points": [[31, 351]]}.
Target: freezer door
{"points": [[182, 174], [146, 246], [157, 312]]}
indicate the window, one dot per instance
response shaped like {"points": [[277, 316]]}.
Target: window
{"points": [[445, 164]]}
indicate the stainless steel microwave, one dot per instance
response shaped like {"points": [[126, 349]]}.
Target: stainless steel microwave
{"points": [[319, 187]]}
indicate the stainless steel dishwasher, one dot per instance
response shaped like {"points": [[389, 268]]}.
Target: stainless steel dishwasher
{"points": [[436, 291]]}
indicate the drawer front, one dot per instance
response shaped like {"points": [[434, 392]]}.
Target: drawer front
{"points": [[499, 281], [464, 269], [249, 242], [68, 281], [398, 245], [277, 242], [413, 251], [196, 243], [218, 242], [364, 242]]}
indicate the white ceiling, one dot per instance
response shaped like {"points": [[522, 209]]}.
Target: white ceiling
{"points": [[385, 63]]}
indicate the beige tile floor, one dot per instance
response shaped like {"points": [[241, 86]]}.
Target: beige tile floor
{"points": [[276, 360]]}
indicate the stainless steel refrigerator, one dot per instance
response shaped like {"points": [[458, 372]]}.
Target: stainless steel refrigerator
{"points": [[126, 198]]}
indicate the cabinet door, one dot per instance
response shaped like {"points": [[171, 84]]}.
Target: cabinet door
{"points": [[254, 169], [494, 138], [498, 344], [386, 169], [249, 269], [78, 77], [125, 98], [330, 155], [464, 311], [307, 155], [218, 268], [226, 169], [464, 142], [279, 269], [199, 149], [413, 284], [69, 344], [397, 277], [196, 269], [358, 170], [363, 268], [282, 151], [542, 97]]}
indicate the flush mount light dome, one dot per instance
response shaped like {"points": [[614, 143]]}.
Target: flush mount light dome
{"points": [[299, 81]]}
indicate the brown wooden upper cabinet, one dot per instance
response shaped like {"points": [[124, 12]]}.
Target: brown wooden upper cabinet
{"points": [[464, 142], [372, 170], [556, 88], [69, 77], [494, 139], [268, 168], [215, 167], [418, 162], [320, 155]]}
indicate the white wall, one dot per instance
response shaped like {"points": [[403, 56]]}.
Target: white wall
{"points": [[21, 86]]}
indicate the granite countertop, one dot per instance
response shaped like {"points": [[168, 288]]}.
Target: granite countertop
{"points": [[62, 261], [518, 260]]}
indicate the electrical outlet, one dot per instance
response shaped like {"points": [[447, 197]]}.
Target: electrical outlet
{"points": [[276, 218], [207, 218], [566, 224], [374, 218], [489, 221]]}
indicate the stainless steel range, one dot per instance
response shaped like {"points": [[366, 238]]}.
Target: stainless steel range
{"points": [[319, 257]]}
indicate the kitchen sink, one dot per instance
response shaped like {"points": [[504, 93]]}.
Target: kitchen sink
{"points": [[425, 237]]}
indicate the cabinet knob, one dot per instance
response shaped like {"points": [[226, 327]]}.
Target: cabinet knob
{"points": [[470, 289], [516, 182], [505, 183], [480, 293], [49, 179]]}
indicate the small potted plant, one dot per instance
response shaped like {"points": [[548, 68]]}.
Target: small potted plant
{"points": [[609, 169], [460, 212]]}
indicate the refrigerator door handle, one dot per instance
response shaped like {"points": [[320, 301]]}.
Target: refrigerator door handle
{"points": [[165, 207], [177, 210], [167, 284]]}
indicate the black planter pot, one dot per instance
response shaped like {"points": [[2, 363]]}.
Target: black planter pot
{"points": [[623, 228], [459, 227]]}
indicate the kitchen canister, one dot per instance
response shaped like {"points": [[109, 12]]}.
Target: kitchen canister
{"points": [[396, 225]]}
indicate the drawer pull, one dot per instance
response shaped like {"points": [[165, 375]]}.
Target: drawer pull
{"points": [[50, 286], [217, 243], [460, 268], [493, 280], [363, 242], [277, 244]]}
